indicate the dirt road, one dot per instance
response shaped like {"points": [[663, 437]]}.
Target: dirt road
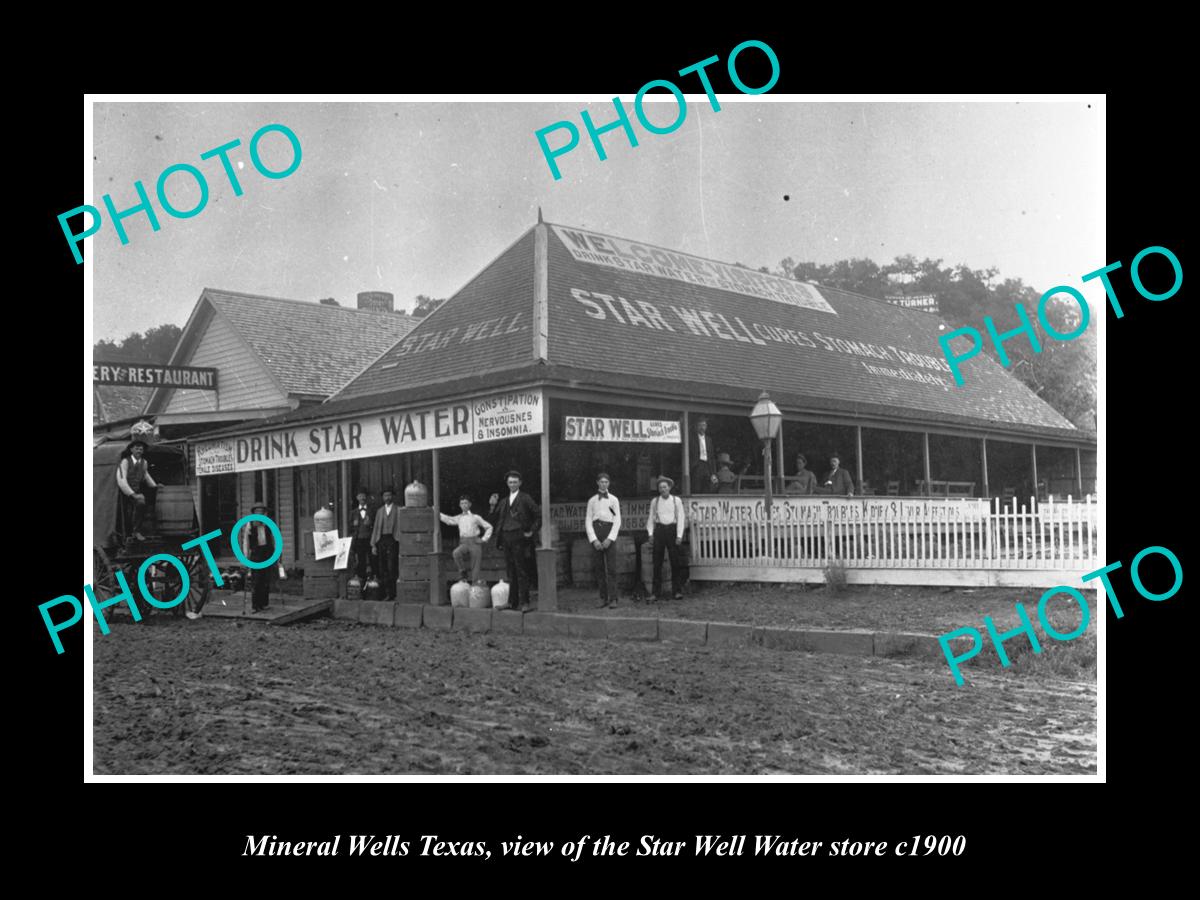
{"points": [[328, 697]]}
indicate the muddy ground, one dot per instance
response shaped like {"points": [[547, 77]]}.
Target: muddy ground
{"points": [[330, 697]]}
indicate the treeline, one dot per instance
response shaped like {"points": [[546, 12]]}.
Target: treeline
{"points": [[1063, 373], [155, 346]]}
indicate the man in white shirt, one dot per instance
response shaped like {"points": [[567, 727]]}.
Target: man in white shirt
{"points": [[602, 523], [470, 544], [665, 527]]}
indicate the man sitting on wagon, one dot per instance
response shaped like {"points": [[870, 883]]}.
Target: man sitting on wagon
{"points": [[132, 475]]}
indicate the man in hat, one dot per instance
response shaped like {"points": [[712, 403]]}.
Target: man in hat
{"points": [[515, 518], [837, 480], [665, 527], [385, 542], [703, 456], [602, 522], [362, 525], [258, 545], [132, 474], [805, 481]]}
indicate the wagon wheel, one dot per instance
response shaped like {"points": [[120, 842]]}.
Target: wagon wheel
{"points": [[104, 575], [105, 584], [167, 585]]}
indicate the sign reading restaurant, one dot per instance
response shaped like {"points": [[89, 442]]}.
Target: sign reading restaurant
{"points": [[147, 375], [491, 418]]}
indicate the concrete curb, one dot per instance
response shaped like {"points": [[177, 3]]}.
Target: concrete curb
{"points": [[855, 642], [852, 642]]}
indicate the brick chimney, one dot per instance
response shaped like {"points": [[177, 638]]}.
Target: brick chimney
{"points": [[377, 301]]}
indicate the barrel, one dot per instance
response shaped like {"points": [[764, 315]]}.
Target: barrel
{"points": [[581, 563], [626, 561], [648, 569], [562, 562], [583, 556], [174, 510]]}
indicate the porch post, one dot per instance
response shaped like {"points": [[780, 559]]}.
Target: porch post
{"points": [[546, 562], [983, 457], [1079, 471], [928, 480], [782, 476], [857, 454], [685, 477], [436, 588], [1033, 464]]}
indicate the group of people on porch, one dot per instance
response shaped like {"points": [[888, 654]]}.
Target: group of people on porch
{"points": [[712, 472]]}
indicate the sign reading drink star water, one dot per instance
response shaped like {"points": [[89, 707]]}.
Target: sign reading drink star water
{"points": [[633, 257], [476, 421], [637, 431]]}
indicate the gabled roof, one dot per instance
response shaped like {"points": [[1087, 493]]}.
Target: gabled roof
{"points": [[309, 349], [627, 315]]}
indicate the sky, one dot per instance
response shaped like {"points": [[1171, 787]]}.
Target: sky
{"points": [[418, 197]]}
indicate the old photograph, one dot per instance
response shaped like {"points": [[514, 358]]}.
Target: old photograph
{"points": [[678, 435]]}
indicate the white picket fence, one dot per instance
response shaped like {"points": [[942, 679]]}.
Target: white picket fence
{"points": [[905, 536]]}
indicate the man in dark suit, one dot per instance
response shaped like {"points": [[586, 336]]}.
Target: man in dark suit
{"points": [[385, 541], [703, 458], [837, 481], [258, 545], [515, 518], [362, 523]]}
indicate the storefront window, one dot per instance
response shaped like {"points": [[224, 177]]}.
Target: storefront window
{"points": [[893, 461], [955, 467]]}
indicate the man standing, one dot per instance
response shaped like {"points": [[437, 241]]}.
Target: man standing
{"points": [[468, 555], [132, 474], [362, 525], [704, 471], [515, 518], [665, 527], [385, 541], [837, 480], [602, 523], [258, 545]]}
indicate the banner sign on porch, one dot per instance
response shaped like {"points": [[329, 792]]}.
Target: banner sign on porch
{"points": [[148, 375], [636, 431], [634, 257], [834, 510], [378, 434], [569, 516], [509, 415]]}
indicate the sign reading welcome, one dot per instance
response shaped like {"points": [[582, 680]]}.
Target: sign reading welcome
{"points": [[634, 257], [476, 421]]}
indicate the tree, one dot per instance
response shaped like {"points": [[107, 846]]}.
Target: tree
{"points": [[1063, 373], [155, 346], [425, 305]]}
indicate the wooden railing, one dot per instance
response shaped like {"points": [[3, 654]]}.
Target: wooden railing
{"points": [[894, 533]]}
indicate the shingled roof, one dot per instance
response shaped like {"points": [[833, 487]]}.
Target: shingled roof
{"points": [[311, 348], [627, 315]]}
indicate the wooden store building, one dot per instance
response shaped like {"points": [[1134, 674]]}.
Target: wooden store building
{"points": [[575, 352]]}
